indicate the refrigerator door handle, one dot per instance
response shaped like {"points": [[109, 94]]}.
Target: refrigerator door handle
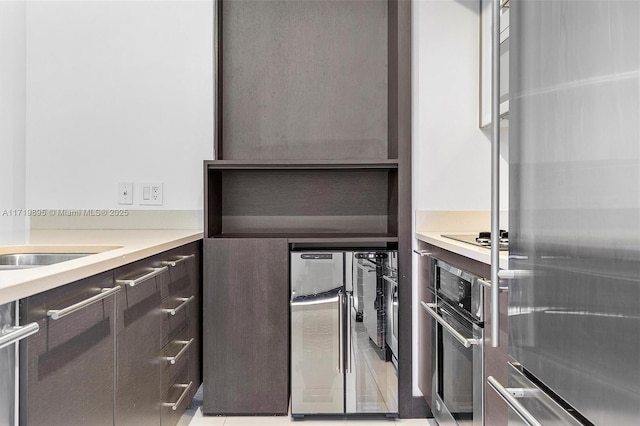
{"points": [[512, 402], [341, 332], [349, 332]]}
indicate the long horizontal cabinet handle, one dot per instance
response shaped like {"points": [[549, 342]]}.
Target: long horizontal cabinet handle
{"points": [[422, 253], [174, 405], [430, 308], [185, 301], [104, 293], [143, 278], [13, 334], [176, 262], [185, 345]]}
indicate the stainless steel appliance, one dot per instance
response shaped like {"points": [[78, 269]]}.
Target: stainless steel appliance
{"points": [[574, 207], [10, 335], [458, 363], [368, 275], [390, 277], [335, 365]]}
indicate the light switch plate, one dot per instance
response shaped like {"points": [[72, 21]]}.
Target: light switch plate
{"points": [[150, 193], [125, 193]]}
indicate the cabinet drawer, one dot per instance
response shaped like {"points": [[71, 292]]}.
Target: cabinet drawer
{"points": [[176, 398], [175, 358], [176, 315], [68, 365], [138, 345]]}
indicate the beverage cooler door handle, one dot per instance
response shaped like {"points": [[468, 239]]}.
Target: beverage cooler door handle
{"points": [[430, 308], [349, 332], [512, 402], [341, 332]]}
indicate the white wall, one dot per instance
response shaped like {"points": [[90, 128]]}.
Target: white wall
{"points": [[451, 155], [12, 116], [118, 91]]}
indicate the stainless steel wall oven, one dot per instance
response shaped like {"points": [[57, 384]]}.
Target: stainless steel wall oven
{"points": [[457, 353]]}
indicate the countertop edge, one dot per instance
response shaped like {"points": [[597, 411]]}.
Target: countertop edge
{"points": [[54, 276], [467, 250]]}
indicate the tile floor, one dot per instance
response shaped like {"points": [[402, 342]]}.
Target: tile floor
{"points": [[193, 417]]}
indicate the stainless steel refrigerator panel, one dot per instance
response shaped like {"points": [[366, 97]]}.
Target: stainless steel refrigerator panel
{"points": [[575, 202], [316, 380], [316, 272]]}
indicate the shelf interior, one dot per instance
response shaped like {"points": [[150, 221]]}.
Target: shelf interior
{"points": [[325, 202]]}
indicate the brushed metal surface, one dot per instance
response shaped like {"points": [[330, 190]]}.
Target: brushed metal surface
{"points": [[575, 202], [34, 260]]}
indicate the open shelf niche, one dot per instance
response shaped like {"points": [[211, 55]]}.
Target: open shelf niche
{"points": [[302, 200]]}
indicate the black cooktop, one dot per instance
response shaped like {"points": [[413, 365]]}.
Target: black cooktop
{"points": [[482, 240]]}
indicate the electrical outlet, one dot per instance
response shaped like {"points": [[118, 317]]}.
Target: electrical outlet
{"points": [[125, 193], [151, 193]]}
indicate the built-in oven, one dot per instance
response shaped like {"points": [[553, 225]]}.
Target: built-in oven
{"points": [[457, 352]]}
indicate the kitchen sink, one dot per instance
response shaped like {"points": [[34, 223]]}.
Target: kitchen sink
{"points": [[34, 260]]}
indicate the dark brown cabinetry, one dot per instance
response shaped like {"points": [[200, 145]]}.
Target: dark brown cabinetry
{"points": [[181, 358], [138, 344], [67, 367], [312, 145], [247, 339], [425, 326], [122, 347]]}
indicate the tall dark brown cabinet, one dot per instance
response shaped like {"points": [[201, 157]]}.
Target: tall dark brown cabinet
{"points": [[312, 146]]}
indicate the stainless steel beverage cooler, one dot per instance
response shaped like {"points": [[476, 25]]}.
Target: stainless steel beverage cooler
{"points": [[336, 367]]}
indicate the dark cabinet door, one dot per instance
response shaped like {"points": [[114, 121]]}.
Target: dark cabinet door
{"points": [[138, 392], [181, 328], [426, 328], [246, 326], [67, 367]]}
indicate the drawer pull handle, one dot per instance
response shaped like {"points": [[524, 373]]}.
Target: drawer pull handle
{"points": [[174, 405], [180, 259], [186, 343], [185, 301], [143, 278], [10, 334], [104, 293], [422, 252]]}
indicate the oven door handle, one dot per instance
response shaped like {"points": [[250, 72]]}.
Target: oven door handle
{"points": [[431, 310]]}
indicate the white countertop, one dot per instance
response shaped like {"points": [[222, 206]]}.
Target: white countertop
{"points": [[112, 248], [468, 250]]}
